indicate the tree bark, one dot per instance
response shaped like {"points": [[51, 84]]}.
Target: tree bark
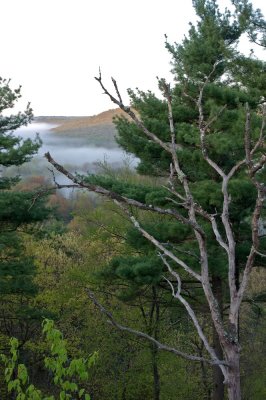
{"points": [[233, 384], [218, 378]]}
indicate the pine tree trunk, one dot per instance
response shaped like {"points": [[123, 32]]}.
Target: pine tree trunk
{"points": [[233, 385], [218, 378]]}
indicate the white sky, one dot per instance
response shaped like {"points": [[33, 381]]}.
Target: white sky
{"points": [[53, 48]]}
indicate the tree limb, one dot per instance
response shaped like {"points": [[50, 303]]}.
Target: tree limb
{"points": [[128, 110], [115, 196], [143, 335], [192, 315]]}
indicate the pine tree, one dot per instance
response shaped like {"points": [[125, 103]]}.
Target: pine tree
{"points": [[215, 186], [207, 43], [251, 20], [18, 210]]}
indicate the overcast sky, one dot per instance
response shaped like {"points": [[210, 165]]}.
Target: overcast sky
{"points": [[53, 48]]}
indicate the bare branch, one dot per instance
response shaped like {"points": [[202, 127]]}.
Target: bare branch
{"points": [[167, 94], [117, 90], [231, 245], [189, 253], [235, 168], [115, 196], [120, 200], [185, 94], [259, 165], [217, 234], [128, 110], [175, 193], [255, 240], [192, 315], [171, 285], [174, 274], [261, 139], [199, 210], [260, 254], [248, 150], [203, 126], [248, 137], [215, 117], [143, 335], [191, 206], [204, 277], [158, 244], [181, 176], [253, 169], [211, 218]]}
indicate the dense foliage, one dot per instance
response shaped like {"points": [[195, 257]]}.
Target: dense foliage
{"points": [[20, 211]]}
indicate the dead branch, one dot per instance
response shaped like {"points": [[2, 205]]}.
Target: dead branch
{"points": [[158, 244], [143, 335], [120, 201], [191, 206], [178, 296], [115, 196], [128, 110], [253, 169]]}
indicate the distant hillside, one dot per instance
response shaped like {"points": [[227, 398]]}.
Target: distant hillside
{"points": [[79, 123], [104, 118], [99, 129]]}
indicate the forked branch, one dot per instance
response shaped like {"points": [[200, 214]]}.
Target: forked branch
{"points": [[118, 101], [177, 294]]}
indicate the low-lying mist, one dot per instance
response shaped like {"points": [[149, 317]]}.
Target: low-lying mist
{"points": [[79, 153]]}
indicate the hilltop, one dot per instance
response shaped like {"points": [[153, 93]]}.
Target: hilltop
{"points": [[97, 129], [65, 124]]}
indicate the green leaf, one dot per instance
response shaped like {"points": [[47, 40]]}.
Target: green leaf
{"points": [[10, 386], [62, 395], [22, 373]]}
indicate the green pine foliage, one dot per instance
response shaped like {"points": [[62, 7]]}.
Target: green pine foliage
{"points": [[19, 211]]}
